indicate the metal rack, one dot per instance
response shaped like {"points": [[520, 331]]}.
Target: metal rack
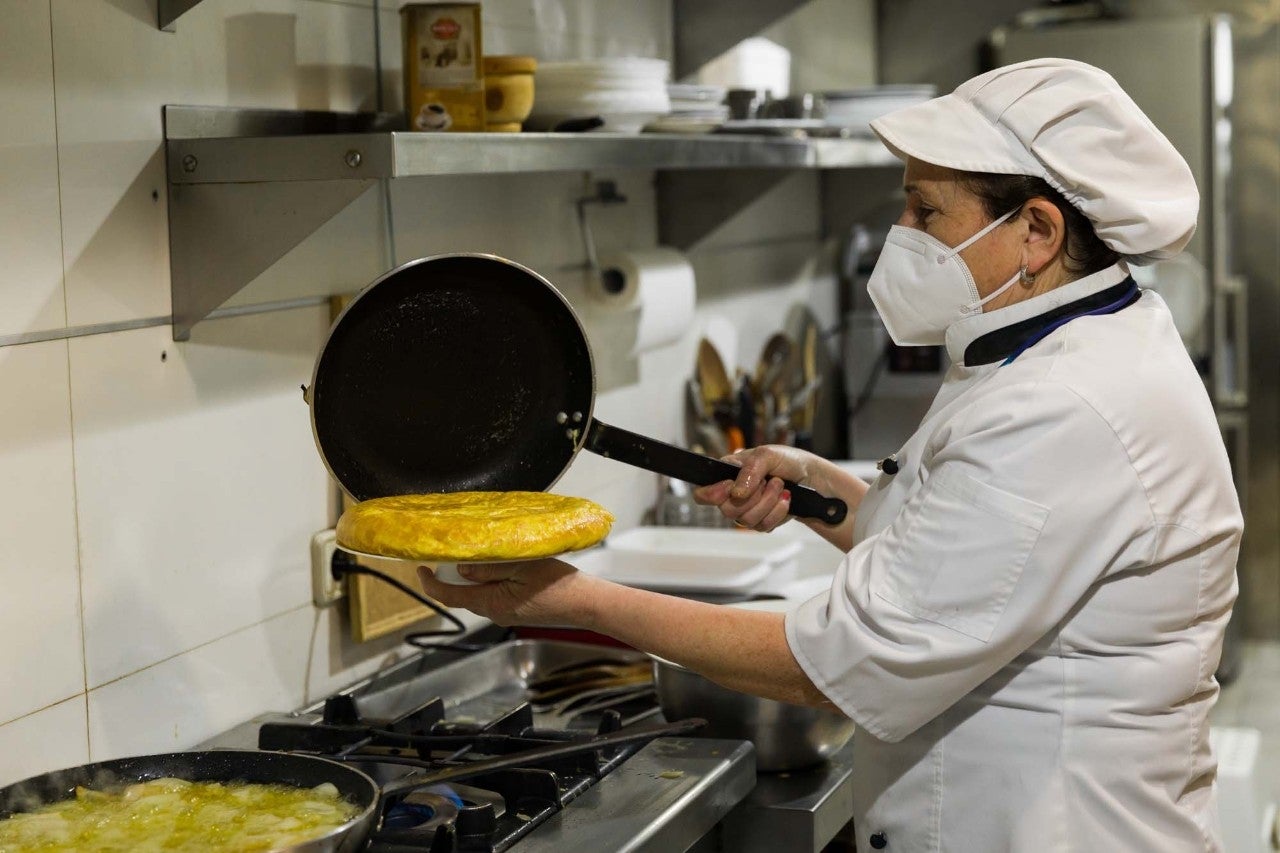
{"points": [[246, 186]]}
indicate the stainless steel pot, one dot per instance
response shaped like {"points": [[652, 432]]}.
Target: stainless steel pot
{"points": [[786, 736]]}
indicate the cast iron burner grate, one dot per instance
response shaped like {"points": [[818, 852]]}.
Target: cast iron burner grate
{"points": [[487, 812]]}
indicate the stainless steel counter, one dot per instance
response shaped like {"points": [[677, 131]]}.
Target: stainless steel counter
{"points": [[663, 799], [799, 812]]}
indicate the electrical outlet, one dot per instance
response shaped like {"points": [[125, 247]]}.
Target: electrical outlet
{"points": [[325, 589]]}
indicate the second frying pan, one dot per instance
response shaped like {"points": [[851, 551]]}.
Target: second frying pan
{"points": [[469, 372]]}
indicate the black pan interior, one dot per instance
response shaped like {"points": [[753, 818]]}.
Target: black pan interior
{"points": [[270, 768], [448, 375]]}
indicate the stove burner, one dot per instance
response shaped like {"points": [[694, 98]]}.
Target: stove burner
{"points": [[489, 814], [420, 811]]}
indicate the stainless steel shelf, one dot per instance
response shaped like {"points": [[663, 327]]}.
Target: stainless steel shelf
{"points": [[406, 155], [246, 186]]}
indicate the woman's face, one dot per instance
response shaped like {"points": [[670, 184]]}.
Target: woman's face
{"points": [[938, 204]]}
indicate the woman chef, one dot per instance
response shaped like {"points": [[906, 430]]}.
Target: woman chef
{"points": [[1030, 612]]}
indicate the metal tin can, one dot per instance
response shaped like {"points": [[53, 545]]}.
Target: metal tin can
{"points": [[443, 66]]}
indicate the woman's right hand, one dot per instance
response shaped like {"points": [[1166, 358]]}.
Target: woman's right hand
{"points": [[757, 498]]}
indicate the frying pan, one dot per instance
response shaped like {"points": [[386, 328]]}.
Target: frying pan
{"points": [[271, 768], [306, 771], [469, 372]]}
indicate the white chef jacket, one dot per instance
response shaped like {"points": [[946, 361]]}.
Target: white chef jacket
{"points": [[1027, 628]]}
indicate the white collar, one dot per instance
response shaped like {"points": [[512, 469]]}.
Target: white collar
{"points": [[964, 332]]}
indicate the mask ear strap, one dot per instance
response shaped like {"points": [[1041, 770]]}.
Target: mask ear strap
{"points": [[974, 306], [984, 232]]}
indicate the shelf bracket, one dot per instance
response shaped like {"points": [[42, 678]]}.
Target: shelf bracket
{"points": [[223, 236], [169, 11]]}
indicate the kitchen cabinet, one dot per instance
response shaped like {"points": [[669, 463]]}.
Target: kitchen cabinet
{"points": [[246, 186]]}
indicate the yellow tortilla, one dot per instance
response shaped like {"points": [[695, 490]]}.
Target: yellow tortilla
{"points": [[473, 526]]}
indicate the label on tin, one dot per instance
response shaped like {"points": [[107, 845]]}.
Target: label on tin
{"points": [[447, 47]]}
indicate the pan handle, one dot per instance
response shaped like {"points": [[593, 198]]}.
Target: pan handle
{"points": [[662, 458]]}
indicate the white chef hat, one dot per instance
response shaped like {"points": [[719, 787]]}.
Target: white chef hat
{"points": [[1072, 125]]}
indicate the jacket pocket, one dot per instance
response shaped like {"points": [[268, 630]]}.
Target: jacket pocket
{"points": [[964, 547]]}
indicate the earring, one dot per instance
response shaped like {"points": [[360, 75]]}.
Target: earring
{"points": [[1027, 277]]}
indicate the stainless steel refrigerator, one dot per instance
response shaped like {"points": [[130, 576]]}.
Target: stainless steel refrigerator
{"points": [[1179, 71]]}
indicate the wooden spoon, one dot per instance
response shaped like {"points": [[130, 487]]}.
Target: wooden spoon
{"points": [[714, 379]]}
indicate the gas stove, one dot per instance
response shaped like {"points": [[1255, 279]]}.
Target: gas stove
{"points": [[435, 711]]}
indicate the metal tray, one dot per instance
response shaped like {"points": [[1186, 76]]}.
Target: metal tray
{"points": [[483, 686]]}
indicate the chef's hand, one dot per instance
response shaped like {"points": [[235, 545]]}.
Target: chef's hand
{"points": [[537, 592], [757, 498]]}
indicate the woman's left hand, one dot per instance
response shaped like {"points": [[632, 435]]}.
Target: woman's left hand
{"points": [[538, 592]]}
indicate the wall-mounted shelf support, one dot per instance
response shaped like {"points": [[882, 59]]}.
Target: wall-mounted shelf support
{"points": [[169, 11], [223, 236]]}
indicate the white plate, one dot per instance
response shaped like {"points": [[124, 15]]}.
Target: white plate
{"points": [[772, 126], [448, 572], [592, 103], [695, 93], [674, 572], [665, 125]]}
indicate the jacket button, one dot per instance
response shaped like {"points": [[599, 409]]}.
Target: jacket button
{"points": [[878, 841]]}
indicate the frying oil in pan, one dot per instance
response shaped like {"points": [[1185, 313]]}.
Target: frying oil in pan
{"points": [[173, 814]]}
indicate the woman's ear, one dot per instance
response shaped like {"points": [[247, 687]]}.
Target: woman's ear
{"points": [[1046, 232]]}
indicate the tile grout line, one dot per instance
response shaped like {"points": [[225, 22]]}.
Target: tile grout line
{"points": [[71, 415], [197, 647], [42, 709]]}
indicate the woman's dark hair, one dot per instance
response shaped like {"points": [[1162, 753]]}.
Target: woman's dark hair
{"points": [[1085, 253]]}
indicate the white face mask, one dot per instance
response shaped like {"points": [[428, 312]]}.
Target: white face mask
{"points": [[920, 285]]}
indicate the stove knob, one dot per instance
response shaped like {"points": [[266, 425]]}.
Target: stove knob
{"points": [[341, 710], [878, 841]]}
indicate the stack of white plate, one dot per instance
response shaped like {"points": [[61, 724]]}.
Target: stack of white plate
{"points": [[856, 108], [694, 109], [626, 93]]}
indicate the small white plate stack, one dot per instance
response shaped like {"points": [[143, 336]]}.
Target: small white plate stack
{"points": [[856, 108], [694, 109], [626, 93]]}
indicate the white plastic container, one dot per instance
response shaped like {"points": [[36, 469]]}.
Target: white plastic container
{"points": [[674, 572], [780, 552]]}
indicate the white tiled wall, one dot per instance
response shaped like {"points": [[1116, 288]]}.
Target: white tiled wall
{"points": [[40, 604], [159, 496], [30, 234], [195, 474]]}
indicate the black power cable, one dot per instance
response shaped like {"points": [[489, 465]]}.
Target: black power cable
{"points": [[344, 564]]}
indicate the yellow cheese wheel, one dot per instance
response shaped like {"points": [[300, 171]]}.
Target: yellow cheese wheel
{"points": [[473, 526]]}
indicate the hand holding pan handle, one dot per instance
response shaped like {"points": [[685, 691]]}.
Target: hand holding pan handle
{"points": [[662, 458]]}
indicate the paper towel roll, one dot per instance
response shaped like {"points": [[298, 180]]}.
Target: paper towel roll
{"points": [[657, 281]]}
